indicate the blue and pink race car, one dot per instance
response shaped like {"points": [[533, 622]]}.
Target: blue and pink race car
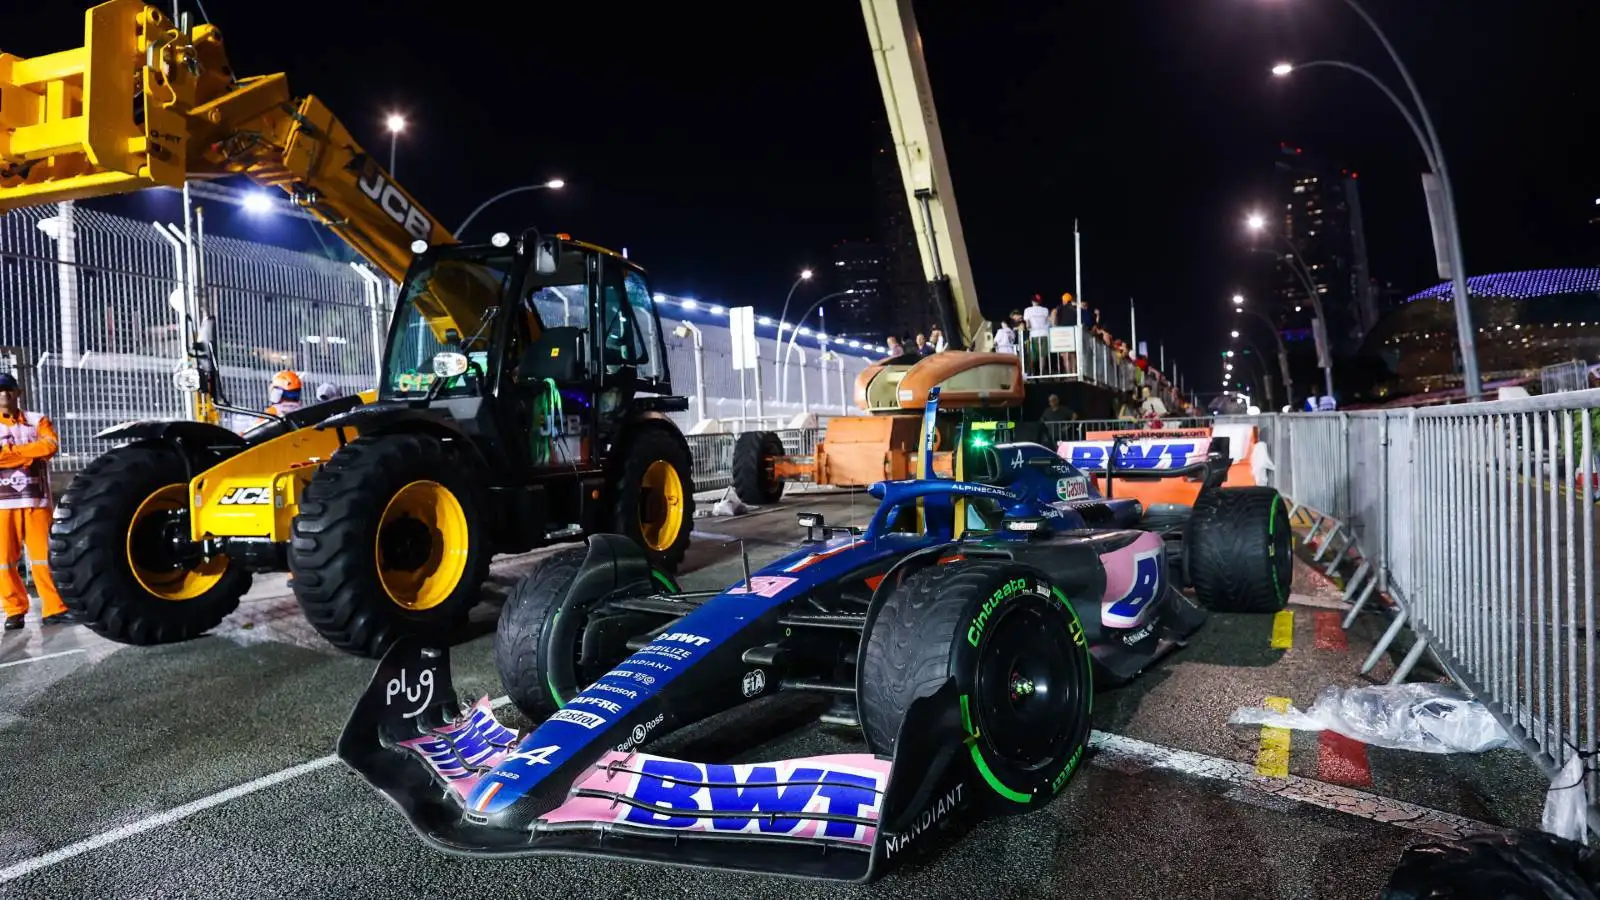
{"points": [[964, 629]]}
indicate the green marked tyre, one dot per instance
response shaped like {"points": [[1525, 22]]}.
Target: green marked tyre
{"points": [[1240, 551], [540, 649], [1018, 655]]}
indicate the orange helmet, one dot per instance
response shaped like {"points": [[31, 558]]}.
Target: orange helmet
{"points": [[285, 386]]}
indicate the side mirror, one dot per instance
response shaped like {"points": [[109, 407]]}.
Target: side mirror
{"points": [[187, 379], [449, 365], [547, 255]]}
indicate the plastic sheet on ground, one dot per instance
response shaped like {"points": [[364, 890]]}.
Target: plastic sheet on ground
{"points": [[1520, 866], [1425, 717], [1566, 805]]}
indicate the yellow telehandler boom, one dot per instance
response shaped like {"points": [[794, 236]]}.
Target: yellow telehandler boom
{"points": [[144, 103]]}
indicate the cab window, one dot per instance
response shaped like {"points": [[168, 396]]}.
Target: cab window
{"points": [[643, 305]]}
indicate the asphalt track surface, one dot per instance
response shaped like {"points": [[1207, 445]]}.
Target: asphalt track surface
{"points": [[202, 770]]}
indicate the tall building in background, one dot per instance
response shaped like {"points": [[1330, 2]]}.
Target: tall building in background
{"points": [[906, 306], [858, 267], [1320, 209]]}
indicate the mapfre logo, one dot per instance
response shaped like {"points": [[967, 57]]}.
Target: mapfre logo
{"points": [[247, 496], [375, 183]]}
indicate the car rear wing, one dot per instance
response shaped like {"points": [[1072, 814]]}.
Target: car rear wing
{"points": [[842, 816], [1150, 454]]}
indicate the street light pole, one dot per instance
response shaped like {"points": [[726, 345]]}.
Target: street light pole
{"points": [[1257, 222], [396, 123], [778, 361], [1458, 273], [794, 335], [1433, 152], [554, 184], [1283, 350]]}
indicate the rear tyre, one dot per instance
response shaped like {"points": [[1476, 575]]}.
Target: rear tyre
{"points": [[753, 477], [539, 646], [389, 542], [1018, 655], [655, 497], [1240, 551], [113, 558]]}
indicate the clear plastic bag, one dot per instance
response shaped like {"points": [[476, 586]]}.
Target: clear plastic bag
{"points": [[1426, 717], [1565, 805]]}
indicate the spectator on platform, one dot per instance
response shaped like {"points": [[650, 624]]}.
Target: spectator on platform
{"points": [[1005, 337], [936, 338], [923, 348], [895, 347], [1129, 410], [1150, 406]]}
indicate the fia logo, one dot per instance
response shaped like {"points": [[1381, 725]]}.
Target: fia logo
{"points": [[755, 681], [247, 496], [375, 183]]}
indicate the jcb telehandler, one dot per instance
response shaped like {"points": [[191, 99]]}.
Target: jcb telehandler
{"points": [[523, 398]]}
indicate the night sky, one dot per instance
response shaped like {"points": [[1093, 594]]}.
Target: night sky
{"points": [[727, 151]]}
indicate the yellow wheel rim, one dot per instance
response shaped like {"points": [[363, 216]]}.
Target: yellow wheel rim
{"points": [[660, 506], [169, 582], [422, 544]]}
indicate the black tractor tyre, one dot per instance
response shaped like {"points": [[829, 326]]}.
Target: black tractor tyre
{"points": [[1018, 654], [538, 645], [645, 494], [94, 541], [1239, 550], [753, 478], [335, 553]]}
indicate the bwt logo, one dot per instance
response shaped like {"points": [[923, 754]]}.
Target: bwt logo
{"points": [[1133, 456], [375, 183], [683, 637], [690, 789]]}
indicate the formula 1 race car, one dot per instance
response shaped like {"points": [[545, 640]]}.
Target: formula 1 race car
{"points": [[969, 622]]}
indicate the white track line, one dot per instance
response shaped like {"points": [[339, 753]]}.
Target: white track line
{"points": [[1131, 755], [34, 659], [177, 813]]}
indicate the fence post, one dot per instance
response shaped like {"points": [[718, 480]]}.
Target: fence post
{"points": [[1384, 520], [62, 229]]}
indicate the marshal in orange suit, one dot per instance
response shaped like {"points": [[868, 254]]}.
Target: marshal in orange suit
{"points": [[27, 442]]}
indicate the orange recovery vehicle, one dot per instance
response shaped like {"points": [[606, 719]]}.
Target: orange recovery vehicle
{"points": [[860, 450]]}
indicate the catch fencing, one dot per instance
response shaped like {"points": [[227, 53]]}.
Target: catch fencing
{"points": [[1477, 522]]}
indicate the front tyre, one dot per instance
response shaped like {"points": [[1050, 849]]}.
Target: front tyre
{"points": [[389, 542], [545, 649], [1017, 652], [655, 496], [115, 551], [1240, 550]]}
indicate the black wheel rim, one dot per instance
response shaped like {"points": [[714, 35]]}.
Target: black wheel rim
{"points": [[405, 544], [1029, 686]]}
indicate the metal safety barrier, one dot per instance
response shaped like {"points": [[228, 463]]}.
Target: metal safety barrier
{"points": [[1476, 523]]}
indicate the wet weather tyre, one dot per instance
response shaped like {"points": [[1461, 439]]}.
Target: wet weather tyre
{"points": [[1240, 554], [111, 551], [655, 495], [539, 645], [390, 541], [1019, 658], [753, 477]]}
